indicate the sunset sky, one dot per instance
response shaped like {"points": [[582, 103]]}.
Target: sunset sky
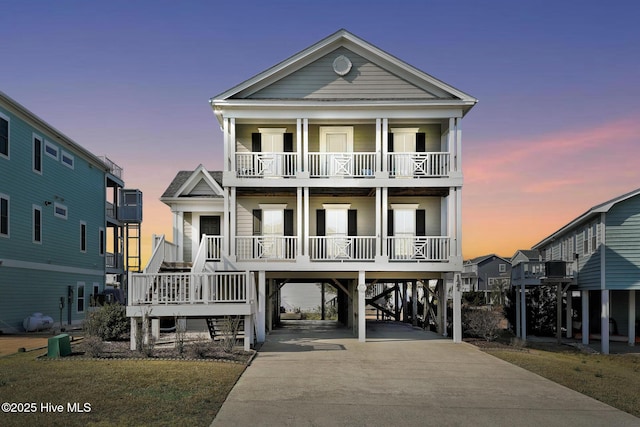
{"points": [[556, 129]]}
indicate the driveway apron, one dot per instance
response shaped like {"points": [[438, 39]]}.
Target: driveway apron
{"points": [[318, 374]]}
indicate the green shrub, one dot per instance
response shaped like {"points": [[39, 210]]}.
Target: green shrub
{"points": [[108, 323]]}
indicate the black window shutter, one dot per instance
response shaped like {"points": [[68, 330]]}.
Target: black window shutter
{"points": [[421, 142], [390, 142], [352, 224], [320, 222], [421, 225], [390, 222], [288, 143], [257, 222], [288, 222], [256, 142]]}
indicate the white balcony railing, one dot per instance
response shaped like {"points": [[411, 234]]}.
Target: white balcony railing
{"points": [[340, 248], [359, 165], [265, 165], [188, 288], [418, 165], [265, 248], [411, 248]]}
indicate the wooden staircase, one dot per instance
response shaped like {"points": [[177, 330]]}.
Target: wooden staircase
{"points": [[175, 267], [218, 328]]}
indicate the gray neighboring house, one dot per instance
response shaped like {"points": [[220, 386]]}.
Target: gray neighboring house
{"points": [[598, 254], [485, 273]]}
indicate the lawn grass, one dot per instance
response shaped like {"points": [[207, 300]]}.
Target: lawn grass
{"points": [[120, 392], [612, 379]]}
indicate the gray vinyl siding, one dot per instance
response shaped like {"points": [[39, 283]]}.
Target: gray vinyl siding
{"points": [[365, 80], [623, 245]]}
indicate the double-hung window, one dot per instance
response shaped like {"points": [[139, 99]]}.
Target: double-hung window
{"points": [[4, 136], [37, 154], [4, 215], [37, 224]]}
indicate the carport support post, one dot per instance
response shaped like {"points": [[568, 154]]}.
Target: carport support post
{"points": [[133, 334], [632, 317], [517, 312], [523, 312], [569, 313], [585, 317], [604, 321], [262, 295], [559, 313], [457, 308], [414, 303], [362, 321]]}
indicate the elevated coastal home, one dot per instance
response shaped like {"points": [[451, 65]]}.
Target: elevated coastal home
{"points": [[598, 254], [487, 273], [341, 164], [56, 254]]}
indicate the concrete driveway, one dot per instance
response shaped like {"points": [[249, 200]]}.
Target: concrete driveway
{"points": [[316, 374]]}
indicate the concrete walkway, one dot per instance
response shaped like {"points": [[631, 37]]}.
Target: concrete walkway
{"points": [[319, 375]]}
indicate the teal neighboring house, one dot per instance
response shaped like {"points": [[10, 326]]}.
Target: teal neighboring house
{"points": [[597, 255], [55, 230]]}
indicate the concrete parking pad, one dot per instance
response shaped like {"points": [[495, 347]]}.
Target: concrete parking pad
{"points": [[318, 374]]}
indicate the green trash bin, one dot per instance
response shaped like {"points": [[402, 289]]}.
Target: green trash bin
{"points": [[59, 346]]}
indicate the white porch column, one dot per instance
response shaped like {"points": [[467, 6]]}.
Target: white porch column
{"points": [[133, 334], [155, 328], [457, 308], [225, 223], [632, 317], [523, 312], [299, 221], [299, 165], [379, 215], [232, 222], [517, 312], [362, 321], [305, 144], [261, 334], [451, 143], [385, 144], [569, 314], [226, 166], [604, 321], [444, 303], [385, 221], [232, 144], [459, 222], [178, 235], [305, 203], [458, 161], [585, 317], [378, 165], [451, 221]]}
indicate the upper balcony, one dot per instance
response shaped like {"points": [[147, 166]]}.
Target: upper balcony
{"points": [[344, 165]]}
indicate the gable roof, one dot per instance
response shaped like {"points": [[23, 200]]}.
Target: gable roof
{"points": [[480, 259], [194, 184], [411, 82], [530, 254], [587, 216]]}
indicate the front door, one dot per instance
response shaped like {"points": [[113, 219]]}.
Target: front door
{"points": [[337, 143], [404, 145]]}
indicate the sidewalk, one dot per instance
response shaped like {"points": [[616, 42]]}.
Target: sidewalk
{"points": [[400, 376]]}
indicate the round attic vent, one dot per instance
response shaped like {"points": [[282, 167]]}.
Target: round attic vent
{"points": [[341, 65]]}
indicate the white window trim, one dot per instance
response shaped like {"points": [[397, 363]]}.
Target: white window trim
{"points": [[49, 144], [8, 155], [33, 224], [85, 236], [8, 199], [84, 297], [55, 211], [64, 154], [35, 136], [502, 268]]}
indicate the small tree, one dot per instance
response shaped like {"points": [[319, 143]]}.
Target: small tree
{"points": [[229, 328]]}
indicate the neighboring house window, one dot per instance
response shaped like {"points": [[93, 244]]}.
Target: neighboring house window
{"points": [[585, 241], [83, 236], [594, 237], [4, 136], [4, 215], [60, 211], [94, 295], [67, 159], [37, 224], [502, 268], [101, 241], [37, 154], [51, 150], [80, 298]]}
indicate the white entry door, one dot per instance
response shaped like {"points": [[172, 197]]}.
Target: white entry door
{"points": [[337, 232], [272, 149], [337, 143], [404, 227]]}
